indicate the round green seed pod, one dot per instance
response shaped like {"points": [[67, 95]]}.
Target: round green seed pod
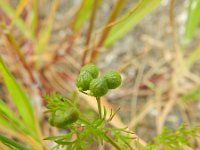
{"points": [[113, 79], [98, 87], [92, 69], [83, 81], [63, 118]]}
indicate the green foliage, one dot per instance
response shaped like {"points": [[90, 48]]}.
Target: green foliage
{"points": [[23, 122], [63, 112], [19, 97], [85, 131], [82, 14], [170, 140], [193, 18], [9, 120], [82, 131], [12, 144]]}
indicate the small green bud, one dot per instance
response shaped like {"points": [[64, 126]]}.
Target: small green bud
{"points": [[51, 120], [98, 87], [113, 79], [92, 69], [83, 80], [72, 116], [63, 118]]}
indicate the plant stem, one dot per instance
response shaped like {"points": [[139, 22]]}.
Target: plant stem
{"points": [[113, 143], [99, 106]]}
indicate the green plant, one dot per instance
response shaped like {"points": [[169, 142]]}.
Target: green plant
{"points": [[97, 129], [98, 86], [94, 130], [180, 139], [23, 125], [83, 131]]}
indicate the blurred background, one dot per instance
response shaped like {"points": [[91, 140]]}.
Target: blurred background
{"points": [[153, 44]]}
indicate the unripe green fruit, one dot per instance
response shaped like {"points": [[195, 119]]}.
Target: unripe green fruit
{"points": [[113, 79], [50, 120], [92, 69], [83, 80], [63, 118], [98, 87]]}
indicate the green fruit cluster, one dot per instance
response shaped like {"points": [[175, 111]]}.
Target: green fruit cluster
{"points": [[88, 80]]}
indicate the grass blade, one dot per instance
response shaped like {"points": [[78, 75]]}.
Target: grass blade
{"points": [[129, 20], [82, 14], [113, 15], [45, 32], [5, 110], [4, 123], [21, 7], [115, 11], [9, 120], [18, 96], [16, 19], [192, 19], [12, 144]]}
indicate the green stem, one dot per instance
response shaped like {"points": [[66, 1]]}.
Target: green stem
{"points": [[99, 106], [113, 143]]}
